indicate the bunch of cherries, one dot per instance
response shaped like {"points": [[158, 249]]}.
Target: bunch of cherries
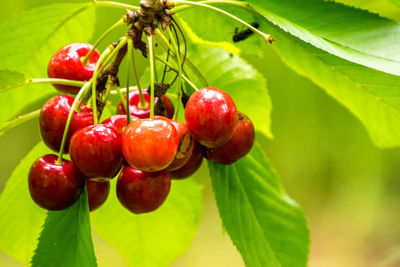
{"points": [[145, 153]]}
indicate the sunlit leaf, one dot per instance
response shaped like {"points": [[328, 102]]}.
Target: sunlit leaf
{"points": [[66, 235], [266, 226]]}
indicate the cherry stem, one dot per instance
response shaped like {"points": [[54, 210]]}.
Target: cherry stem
{"points": [[267, 37], [151, 52], [142, 103], [119, 93], [109, 85], [129, 63], [115, 4], [113, 27], [123, 90], [45, 80], [154, 63], [5, 126], [81, 92], [105, 54], [187, 61], [121, 44]]}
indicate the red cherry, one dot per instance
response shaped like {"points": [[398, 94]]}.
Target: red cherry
{"points": [[53, 186], [119, 122], [140, 191], [150, 144], [191, 166], [66, 63], [97, 193], [186, 145], [96, 151], [211, 116], [144, 112], [53, 117], [238, 146]]}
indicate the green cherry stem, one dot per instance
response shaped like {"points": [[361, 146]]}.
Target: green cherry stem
{"points": [[81, 92], [129, 63], [188, 63], [178, 57], [115, 4], [45, 80], [142, 103], [105, 54], [121, 44], [113, 27], [152, 76], [123, 90], [5, 126], [267, 37]]}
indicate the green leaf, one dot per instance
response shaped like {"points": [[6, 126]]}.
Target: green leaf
{"points": [[10, 78], [21, 219], [66, 235], [371, 95], [5, 126], [352, 34], [28, 42], [156, 238], [267, 227]]}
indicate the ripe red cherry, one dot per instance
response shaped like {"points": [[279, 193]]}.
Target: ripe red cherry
{"points": [[53, 117], [238, 146], [53, 186], [97, 193], [144, 112], [140, 191], [96, 151], [186, 145], [211, 116], [119, 122], [66, 63], [191, 166], [150, 144]]}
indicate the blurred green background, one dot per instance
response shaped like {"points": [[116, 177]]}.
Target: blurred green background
{"points": [[349, 189]]}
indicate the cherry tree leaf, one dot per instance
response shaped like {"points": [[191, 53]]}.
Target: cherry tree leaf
{"points": [[156, 238], [66, 235], [266, 226], [28, 42], [21, 219]]}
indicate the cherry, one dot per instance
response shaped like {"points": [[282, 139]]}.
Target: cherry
{"points": [[53, 186], [211, 116], [140, 191], [186, 145], [150, 144], [238, 146], [144, 112], [53, 117], [119, 122], [97, 193], [67, 63], [96, 151], [191, 166]]}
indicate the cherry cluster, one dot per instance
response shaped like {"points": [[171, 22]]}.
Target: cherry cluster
{"points": [[145, 153]]}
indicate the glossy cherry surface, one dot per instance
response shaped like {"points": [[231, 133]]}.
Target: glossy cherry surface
{"points": [[140, 191], [119, 122], [238, 146], [96, 151], [211, 116], [53, 117], [53, 186], [144, 112], [186, 145], [66, 63], [97, 193], [191, 166], [150, 144]]}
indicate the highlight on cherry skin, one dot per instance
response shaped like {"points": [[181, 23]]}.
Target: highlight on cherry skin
{"points": [[211, 116], [96, 151], [55, 186], [53, 118], [150, 144], [67, 63]]}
